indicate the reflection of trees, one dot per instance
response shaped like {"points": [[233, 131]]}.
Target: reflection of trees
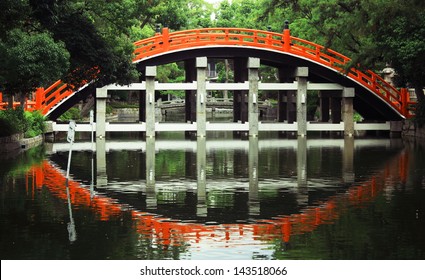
{"points": [[220, 163], [170, 163], [381, 230], [21, 162], [384, 226], [120, 162]]}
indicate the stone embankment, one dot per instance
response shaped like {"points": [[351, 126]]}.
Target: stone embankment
{"points": [[17, 143], [410, 130]]}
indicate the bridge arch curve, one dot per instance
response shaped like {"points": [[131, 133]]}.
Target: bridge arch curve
{"points": [[367, 103], [375, 99]]}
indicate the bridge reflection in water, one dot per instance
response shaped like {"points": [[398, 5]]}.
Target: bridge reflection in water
{"points": [[203, 225]]}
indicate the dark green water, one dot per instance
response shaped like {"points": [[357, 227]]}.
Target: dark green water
{"points": [[216, 199]]}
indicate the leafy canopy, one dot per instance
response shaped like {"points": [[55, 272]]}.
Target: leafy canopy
{"points": [[372, 33]]}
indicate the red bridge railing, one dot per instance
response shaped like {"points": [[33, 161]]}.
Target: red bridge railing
{"points": [[46, 99]]}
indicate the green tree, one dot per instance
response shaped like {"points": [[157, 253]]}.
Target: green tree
{"points": [[62, 39], [30, 61], [371, 32], [171, 73], [240, 13], [93, 36]]}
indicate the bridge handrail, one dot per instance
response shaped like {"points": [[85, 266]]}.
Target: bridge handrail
{"points": [[46, 99], [30, 105]]}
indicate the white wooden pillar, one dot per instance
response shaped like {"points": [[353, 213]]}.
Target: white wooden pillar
{"points": [[348, 111], [150, 101], [201, 96], [253, 66], [301, 74], [101, 96]]}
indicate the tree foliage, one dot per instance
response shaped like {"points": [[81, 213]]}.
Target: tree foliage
{"points": [[30, 61], [240, 13], [93, 35], [46, 40], [371, 32], [19, 121]]}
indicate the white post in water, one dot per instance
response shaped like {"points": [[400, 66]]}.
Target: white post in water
{"points": [[91, 127], [70, 139]]}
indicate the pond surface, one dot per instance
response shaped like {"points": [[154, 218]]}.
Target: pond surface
{"points": [[220, 198]]}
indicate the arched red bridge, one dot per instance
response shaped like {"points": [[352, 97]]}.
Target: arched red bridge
{"points": [[374, 97]]}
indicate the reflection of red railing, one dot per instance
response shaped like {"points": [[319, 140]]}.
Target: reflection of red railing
{"points": [[46, 99], [168, 232]]}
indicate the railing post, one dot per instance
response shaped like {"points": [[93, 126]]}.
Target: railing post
{"points": [[286, 37], [404, 97], [269, 36], [166, 38], [39, 98]]}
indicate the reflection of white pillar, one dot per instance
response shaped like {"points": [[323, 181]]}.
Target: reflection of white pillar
{"points": [[253, 66], [150, 101], [348, 160], [101, 176], [301, 75], [201, 164], [302, 162], [101, 96], [151, 201], [253, 196], [201, 96], [92, 176], [302, 195]]}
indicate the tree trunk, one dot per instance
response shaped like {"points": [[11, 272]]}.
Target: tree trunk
{"points": [[88, 105], [22, 100], [11, 99], [419, 91]]}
